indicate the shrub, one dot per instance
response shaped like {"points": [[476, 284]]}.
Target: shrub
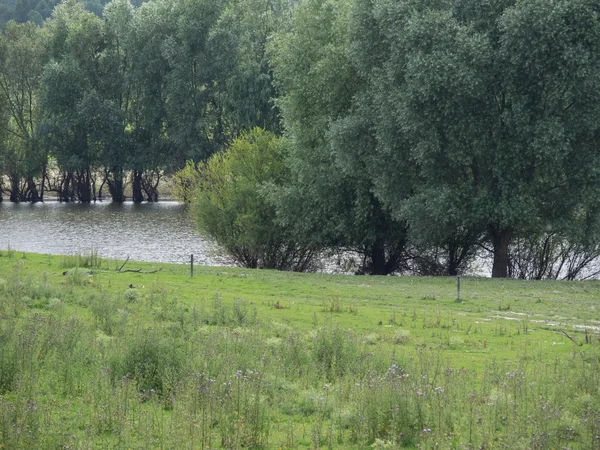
{"points": [[230, 203], [152, 362]]}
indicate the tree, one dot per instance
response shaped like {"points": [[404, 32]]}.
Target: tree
{"points": [[329, 199], [199, 78], [230, 203], [71, 95], [22, 57], [497, 107], [197, 125], [152, 149], [113, 127], [242, 64]]}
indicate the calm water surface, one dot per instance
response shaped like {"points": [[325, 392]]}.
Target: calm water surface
{"points": [[154, 232]]}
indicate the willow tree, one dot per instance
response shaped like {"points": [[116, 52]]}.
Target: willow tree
{"points": [[71, 94], [22, 56], [329, 199], [497, 105]]}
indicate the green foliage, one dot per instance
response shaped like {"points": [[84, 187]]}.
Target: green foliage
{"points": [[243, 64], [9, 362], [153, 363], [22, 56], [36, 11], [89, 259], [329, 199], [335, 351], [494, 107], [77, 277], [231, 208]]}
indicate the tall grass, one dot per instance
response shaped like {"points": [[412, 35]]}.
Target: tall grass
{"points": [[89, 259]]}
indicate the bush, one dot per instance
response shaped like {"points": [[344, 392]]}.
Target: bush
{"points": [[154, 363], [230, 204]]}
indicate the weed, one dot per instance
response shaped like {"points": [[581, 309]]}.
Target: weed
{"points": [[154, 363], [401, 337], [332, 305], [77, 277], [89, 259], [132, 295]]}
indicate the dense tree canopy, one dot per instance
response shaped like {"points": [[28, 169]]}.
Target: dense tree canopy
{"points": [[330, 198], [495, 107], [22, 58], [417, 134], [133, 94]]}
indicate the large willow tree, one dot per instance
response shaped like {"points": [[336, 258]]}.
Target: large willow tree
{"points": [[465, 119], [498, 104], [330, 198]]}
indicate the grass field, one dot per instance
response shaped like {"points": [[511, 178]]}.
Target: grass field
{"points": [[237, 358]]}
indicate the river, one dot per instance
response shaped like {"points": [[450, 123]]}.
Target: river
{"points": [[154, 232]]}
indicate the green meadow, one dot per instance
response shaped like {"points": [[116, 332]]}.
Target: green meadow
{"points": [[149, 357]]}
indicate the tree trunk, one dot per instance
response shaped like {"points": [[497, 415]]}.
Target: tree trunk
{"points": [[150, 186], [138, 196], [42, 187], [14, 190], [116, 185], [116, 190], [32, 192], [452, 261], [377, 265], [84, 187], [501, 241], [64, 194]]}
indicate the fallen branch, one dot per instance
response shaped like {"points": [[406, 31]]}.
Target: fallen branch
{"points": [[574, 341], [119, 269], [140, 271]]}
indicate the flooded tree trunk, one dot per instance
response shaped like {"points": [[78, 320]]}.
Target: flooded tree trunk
{"points": [[15, 194], [116, 190], [32, 194], [150, 186], [43, 185], [84, 186], [65, 190], [138, 196], [116, 185]]}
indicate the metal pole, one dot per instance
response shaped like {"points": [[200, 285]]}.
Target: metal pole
{"points": [[458, 288], [191, 265]]}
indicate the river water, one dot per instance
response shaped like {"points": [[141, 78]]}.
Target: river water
{"points": [[154, 232]]}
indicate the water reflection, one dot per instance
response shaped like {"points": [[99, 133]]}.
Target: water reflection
{"points": [[155, 232]]}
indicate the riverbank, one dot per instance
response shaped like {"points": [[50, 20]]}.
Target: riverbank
{"points": [[150, 357]]}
